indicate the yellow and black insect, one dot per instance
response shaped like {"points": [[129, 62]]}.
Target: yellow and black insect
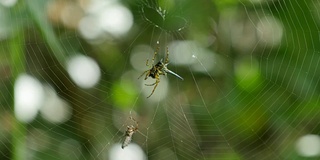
{"points": [[159, 69], [129, 133]]}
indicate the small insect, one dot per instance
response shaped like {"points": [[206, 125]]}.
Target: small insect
{"points": [[159, 69], [129, 133]]}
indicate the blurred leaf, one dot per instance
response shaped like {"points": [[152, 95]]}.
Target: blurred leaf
{"points": [[37, 10], [17, 67]]}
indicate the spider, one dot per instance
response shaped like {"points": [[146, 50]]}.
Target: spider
{"points": [[129, 133], [159, 69]]}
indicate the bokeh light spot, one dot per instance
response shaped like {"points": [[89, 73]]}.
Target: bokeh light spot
{"points": [[270, 31], [71, 15], [84, 71], [181, 52], [131, 152], [116, 20], [308, 145], [206, 61], [28, 97], [55, 109], [139, 56], [89, 28], [8, 3]]}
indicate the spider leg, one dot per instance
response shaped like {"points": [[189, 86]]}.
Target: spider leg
{"points": [[155, 52], [147, 75], [153, 90], [143, 74], [151, 84], [156, 85], [167, 56], [137, 124], [156, 82]]}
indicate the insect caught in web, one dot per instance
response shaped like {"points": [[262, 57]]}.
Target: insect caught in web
{"points": [[158, 69], [129, 133]]}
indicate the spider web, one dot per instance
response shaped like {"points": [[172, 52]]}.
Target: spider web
{"points": [[69, 79]]}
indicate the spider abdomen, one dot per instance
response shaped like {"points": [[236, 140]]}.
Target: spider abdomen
{"points": [[154, 72]]}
